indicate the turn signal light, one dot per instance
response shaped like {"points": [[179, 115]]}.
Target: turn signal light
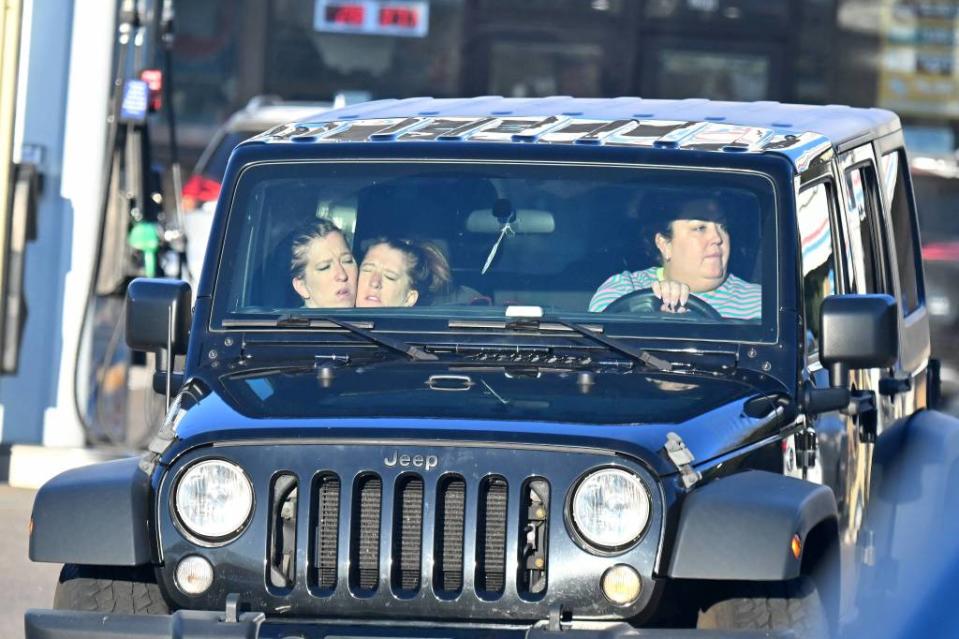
{"points": [[796, 546], [194, 575], [621, 584]]}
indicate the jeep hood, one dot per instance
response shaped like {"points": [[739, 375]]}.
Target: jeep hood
{"points": [[629, 412]]}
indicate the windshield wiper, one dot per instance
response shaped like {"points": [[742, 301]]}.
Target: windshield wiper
{"points": [[538, 322], [299, 320], [639, 355]]}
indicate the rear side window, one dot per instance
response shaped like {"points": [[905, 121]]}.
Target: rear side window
{"points": [[895, 183], [818, 261], [868, 274]]}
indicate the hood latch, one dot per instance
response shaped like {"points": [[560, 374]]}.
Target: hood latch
{"points": [[682, 458]]}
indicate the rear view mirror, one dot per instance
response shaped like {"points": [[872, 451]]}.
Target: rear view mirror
{"points": [[528, 221], [858, 331]]}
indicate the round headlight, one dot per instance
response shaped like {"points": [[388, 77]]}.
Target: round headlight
{"points": [[214, 499], [611, 508]]}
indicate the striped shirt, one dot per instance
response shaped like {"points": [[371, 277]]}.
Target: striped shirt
{"points": [[735, 298]]}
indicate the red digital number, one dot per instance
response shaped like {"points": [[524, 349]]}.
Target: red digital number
{"points": [[398, 17], [350, 14]]}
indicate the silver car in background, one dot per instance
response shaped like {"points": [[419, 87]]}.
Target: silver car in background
{"points": [[200, 192]]}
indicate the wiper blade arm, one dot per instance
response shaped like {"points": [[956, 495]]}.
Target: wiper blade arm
{"points": [[411, 351], [640, 355], [296, 320]]}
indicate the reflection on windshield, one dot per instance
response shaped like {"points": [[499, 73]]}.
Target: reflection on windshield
{"points": [[650, 245], [478, 393]]}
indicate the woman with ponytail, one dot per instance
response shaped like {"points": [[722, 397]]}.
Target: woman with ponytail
{"points": [[399, 272]]}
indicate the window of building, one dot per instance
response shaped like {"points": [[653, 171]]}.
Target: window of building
{"points": [[547, 69], [867, 273], [715, 75], [308, 60], [205, 58]]}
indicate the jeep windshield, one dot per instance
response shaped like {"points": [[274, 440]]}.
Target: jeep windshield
{"points": [[474, 240]]}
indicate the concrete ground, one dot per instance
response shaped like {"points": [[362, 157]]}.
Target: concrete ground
{"points": [[28, 585]]}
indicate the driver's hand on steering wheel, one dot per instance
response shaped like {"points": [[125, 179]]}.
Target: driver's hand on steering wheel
{"points": [[674, 295]]}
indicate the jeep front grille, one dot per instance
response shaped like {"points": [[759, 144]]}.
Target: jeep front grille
{"points": [[445, 531]]}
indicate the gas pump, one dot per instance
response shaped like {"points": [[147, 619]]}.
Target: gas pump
{"points": [[137, 234]]}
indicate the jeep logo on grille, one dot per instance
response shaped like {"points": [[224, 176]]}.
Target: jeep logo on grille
{"points": [[426, 462]]}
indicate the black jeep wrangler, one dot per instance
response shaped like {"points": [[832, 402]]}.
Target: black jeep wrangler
{"points": [[516, 368]]}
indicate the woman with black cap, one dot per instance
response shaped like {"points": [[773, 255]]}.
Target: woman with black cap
{"points": [[693, 246]]}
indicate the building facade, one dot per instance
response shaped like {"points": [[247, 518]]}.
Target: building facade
{"points": [[894, 53]]}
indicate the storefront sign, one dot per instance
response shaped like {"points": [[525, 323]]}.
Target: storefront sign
{"points": [[918, 74], [372, 17]]}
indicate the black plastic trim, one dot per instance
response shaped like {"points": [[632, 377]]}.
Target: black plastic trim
{"points": [[95, 514], [740, 527], [69, 624]]}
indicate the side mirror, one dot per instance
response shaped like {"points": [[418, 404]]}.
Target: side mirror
{"points": [[858, 331], [158, 319], [158, 315]]}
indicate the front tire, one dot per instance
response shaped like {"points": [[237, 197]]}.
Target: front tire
{"points": [[119, 590], [788, 605]]}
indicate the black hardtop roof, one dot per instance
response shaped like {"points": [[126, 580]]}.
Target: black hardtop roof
{"points": [[801, 133], [837, 123]]}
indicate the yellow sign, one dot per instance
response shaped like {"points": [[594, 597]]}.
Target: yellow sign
{"points": [[918, 70]]}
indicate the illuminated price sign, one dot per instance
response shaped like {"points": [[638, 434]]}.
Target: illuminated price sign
{"points": [[373, 17]]}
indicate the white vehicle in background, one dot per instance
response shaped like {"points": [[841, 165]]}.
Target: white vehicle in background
{"points": [[200, 192]]}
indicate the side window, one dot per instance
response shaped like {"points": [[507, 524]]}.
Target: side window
{"points": [[861, 214], [894, 171], [818, 261]]}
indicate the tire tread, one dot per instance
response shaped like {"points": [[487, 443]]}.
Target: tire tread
{"points": [[790, 605], [119, 590]]}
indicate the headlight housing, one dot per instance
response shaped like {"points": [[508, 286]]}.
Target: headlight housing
{"points": [[214, 499], [611, 508]]}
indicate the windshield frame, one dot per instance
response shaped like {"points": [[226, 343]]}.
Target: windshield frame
{"points": [[623, 325]]}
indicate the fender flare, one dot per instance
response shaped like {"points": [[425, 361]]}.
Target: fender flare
{"points": [[740, 527], [96, 514]]}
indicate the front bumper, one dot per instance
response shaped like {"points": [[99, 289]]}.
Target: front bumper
{"points": [[198, 624]]}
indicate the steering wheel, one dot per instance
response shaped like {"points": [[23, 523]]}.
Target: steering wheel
{"points": [[645, 301]]}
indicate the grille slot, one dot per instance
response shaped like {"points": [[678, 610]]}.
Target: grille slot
{"points": [[534, 534], [325, 527], [282, 560], [365, 534], [407, 534], [491, 544], [448, 547]]}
